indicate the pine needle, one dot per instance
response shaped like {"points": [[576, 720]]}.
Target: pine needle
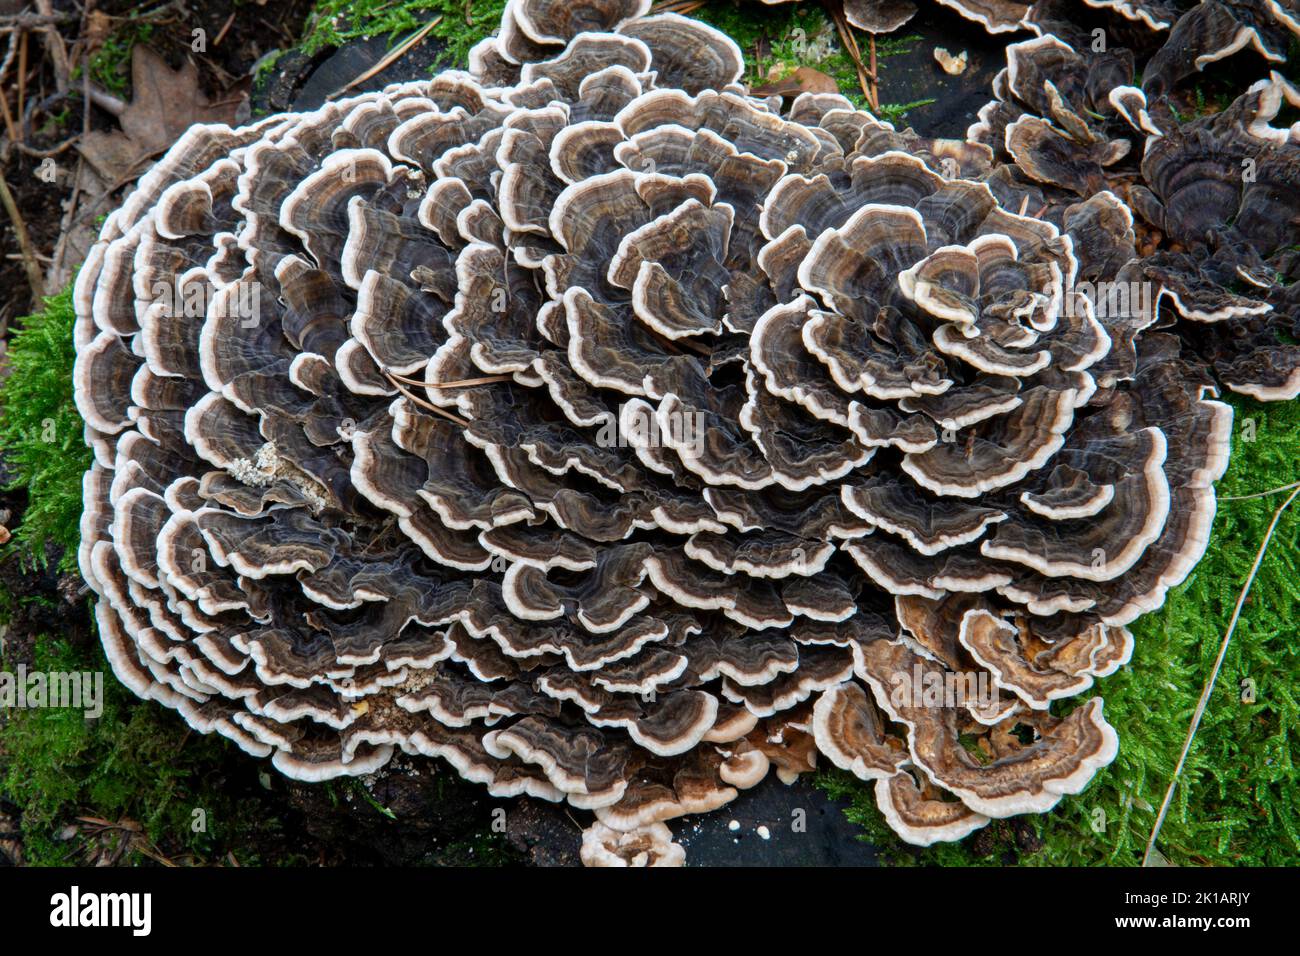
{"points": [[1261, 494], [1214, 673], [388, 60], [421, 403], [459, 383]]}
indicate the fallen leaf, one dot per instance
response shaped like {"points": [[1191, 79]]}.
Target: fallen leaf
{"points": [[164, 104], [803, 80]]}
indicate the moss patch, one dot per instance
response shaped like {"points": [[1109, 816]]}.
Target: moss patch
{"points": [[160, 789], [110, 65], [41, 434], [136, 786], [460, 24]]}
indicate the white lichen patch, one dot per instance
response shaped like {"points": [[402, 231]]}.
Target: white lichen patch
{"points": [[257, 473], [267, 467]]}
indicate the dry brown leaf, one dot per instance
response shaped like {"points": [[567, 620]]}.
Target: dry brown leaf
{"points": [[803, 80], [164, 104]]}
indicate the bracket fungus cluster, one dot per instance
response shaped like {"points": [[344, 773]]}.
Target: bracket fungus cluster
{"points": [[1221, 190], [621, 438]]}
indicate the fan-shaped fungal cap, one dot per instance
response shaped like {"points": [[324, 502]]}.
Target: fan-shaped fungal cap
{"points": [[1211, 31]]}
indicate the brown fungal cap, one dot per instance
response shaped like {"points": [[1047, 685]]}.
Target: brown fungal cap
{"points": [[1213, 31]]}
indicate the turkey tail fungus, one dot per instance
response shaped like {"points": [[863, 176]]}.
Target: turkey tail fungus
{"points": [[621, 438]]}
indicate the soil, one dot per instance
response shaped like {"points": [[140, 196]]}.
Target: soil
{"points": [[914, 76]]}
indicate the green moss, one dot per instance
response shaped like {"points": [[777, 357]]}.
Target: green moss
{"points": [[481, 849], [778, 40], [110, 65], [265, 68], [1237, 802], [460, 24], [41, 433], [740, 20], [887, 46], [56, 121], [135, 765], [897, 112]]}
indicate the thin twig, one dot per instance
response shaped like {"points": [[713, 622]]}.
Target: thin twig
{"points": [[221, 34], [105, 100], [875, 74], [427, 406], [32, 21], [58, 52], [8, 117], [34, 276], [677, 6], [48, 153], [11, 51], [61, 248], [1261, 494], [388, 60], [865, 78], [22, 72], [132, 172], [461, 383], [1214, 674]]}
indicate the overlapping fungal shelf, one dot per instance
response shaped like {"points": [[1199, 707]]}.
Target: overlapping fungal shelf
{"points": [[622, 439], [1223, 190]]}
